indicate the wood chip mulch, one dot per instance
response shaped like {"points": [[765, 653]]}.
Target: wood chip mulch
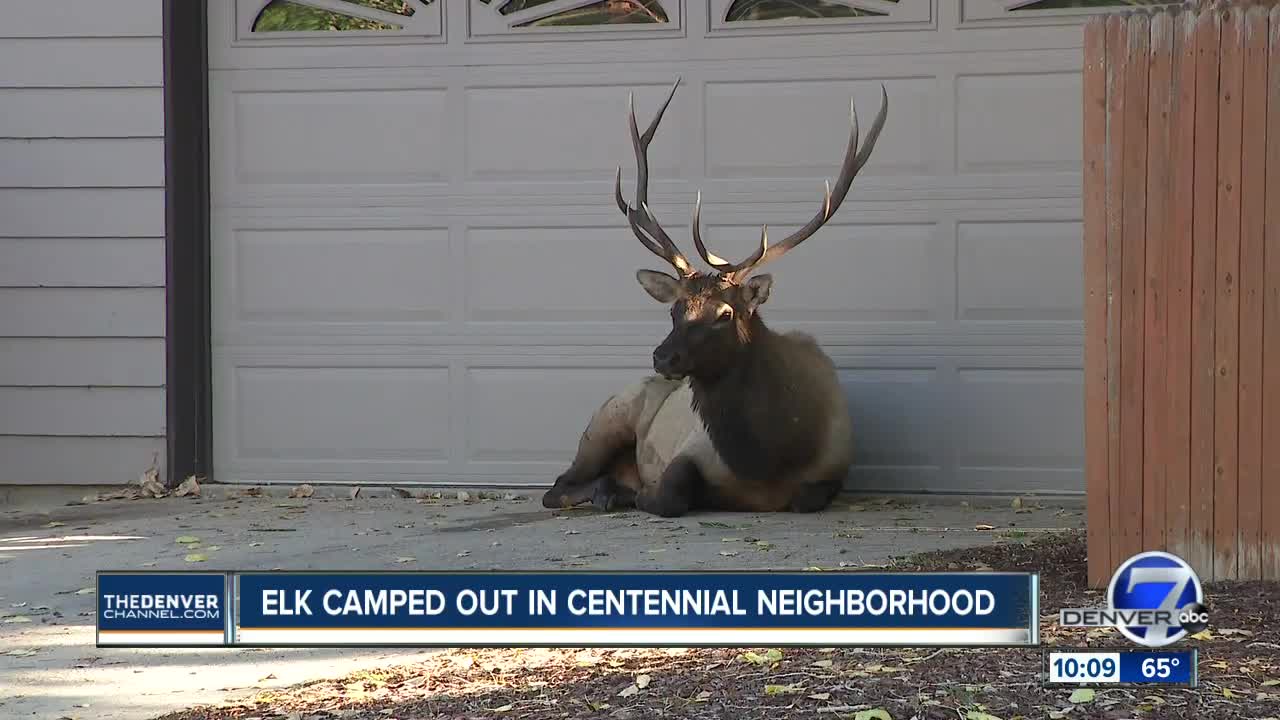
{"points": [[1239, 671]]}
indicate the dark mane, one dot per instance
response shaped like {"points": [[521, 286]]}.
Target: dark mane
{"points": [[765, 416]]}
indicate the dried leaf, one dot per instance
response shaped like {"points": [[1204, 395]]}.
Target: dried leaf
{"points": [[255, 544], [729, 553], [186, 539], [1226, 693], [1270, 683], [629, 690], [820, 696], [464, 496], [302, 491], [1082, 695], [782, 689], [1203, 635], [503, 708], [21, 652], [702, 696], [983, 527], [822, 663], [715, 524], [1017, 503], [772, 656], [642, 681], [1234, 631], [54, 524], [195, 557], [406, 559], [188, 487], [355, 492], [873, 714], [14, 619], [979, 715], [85, 591]]}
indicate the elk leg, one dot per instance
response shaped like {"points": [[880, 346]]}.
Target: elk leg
{"points": [[817, 496], [609, 434], [675, 492], [618, 489]]}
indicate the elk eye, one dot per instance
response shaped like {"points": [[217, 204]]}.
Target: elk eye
{"points": [[725, 315]]}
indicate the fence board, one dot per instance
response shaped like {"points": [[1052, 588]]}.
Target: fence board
{"points": [[1155, 380], [1271, 320], [1253, 196], [1226, 439], [1178, 295], [1182, 288], [1095, 299], [1204, 229], [1133, 270], [1117, 60]]}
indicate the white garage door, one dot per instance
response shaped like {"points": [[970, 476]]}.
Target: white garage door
{"points": [[420, 275]]}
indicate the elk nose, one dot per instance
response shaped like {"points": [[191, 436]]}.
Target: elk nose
{"points": [[665, 358]]}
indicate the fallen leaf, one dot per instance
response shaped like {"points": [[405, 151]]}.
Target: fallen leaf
{"points": [[195, 557], [302, 491], [355, 492], [503, 708], [714, 524], [214, 548], [1226, 693], [406, 559], [979, 715], [820, 696], [1017, 503], [54, 524], [781, 689], [186, 539], [729, 553], [17, 619], [983, 527], [464, 496], [702, 696], [772, 656], [629, 690], [873, 714], [642, 681], [1203, 635], [1270, 683], [85, 591], [1234, 631], [148, 564], [822, 663], [188, 487], [255, 544], [1082, 695]]}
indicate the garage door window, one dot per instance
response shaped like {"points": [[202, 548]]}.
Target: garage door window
{"points": [[768, 16], [1007, 12], [548, 13], [286, 20]]}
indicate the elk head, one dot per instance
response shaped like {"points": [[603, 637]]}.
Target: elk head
{"points": [[713, 314]]}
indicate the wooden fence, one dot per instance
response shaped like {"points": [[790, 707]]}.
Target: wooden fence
{"points": [[1182, 288]]}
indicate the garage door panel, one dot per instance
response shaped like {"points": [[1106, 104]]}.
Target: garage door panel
{"points": [[1019, 418], [326, 413], [558, 275], [372, 136], [570, 132], [517, 416], [846, 272], [1019, 122], [1027, 271], [895, 418], [745, 135], [348, 274]]}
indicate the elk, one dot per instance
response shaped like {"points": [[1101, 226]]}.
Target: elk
{"points": [[737, 417]]}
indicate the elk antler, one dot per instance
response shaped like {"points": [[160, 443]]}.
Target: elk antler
{"points": [[854, 159], [641, 218]]}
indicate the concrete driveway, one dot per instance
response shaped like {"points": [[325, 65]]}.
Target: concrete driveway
{"points": [[49, 667]]}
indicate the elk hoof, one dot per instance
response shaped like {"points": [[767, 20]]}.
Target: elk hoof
{"points": [[603, 500]]}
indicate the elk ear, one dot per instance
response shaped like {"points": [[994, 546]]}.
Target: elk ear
{"points": [[661, 286], [756, 291]]}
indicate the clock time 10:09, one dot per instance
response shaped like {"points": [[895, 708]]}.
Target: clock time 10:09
{"points": [[1084, 667]]}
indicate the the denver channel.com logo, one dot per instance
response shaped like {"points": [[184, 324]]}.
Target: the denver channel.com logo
{"points": [[1154, 599]]}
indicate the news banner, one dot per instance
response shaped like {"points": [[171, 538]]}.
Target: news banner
{"points": [[1154, 600]]}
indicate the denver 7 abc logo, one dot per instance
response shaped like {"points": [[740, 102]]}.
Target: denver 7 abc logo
{"points": [[1154, 599]]}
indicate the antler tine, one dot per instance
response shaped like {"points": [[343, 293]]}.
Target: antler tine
{"points": [[710, 258], [642, 221], [855, 157]]}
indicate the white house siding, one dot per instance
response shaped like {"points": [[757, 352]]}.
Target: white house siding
{"points": [[81, 241]]}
